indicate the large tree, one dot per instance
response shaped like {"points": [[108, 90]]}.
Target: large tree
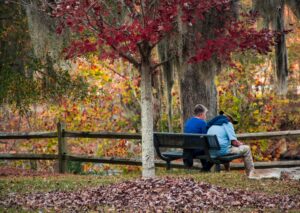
{"points": [[197, 80], [273, 12], [131, 30]]}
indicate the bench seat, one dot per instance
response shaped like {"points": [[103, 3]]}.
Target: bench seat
{"points": [[183, 141], [175, 155]]}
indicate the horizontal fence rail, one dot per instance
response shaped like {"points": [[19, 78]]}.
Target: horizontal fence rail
{"points": [[160, 163], [138, 162], [269, 135], [63, 156], [26, 156], [110, 135], [27, 135]]}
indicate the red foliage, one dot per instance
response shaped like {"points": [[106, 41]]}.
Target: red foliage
{"points": [[130, 28], [236, 36]]}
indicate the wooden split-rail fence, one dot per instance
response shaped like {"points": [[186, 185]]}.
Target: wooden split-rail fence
{"points": [[63, 155]]}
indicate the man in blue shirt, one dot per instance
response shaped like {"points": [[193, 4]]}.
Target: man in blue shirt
{"points": [[197, 125], [222, 127]]}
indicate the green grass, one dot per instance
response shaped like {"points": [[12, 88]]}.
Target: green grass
{"points": [[66, 182], [232, 179]]}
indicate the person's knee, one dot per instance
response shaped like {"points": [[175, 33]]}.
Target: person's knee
{"points": [[244, 150], [246, 147]]}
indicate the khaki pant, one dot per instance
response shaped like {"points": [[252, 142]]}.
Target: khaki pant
{"points": [[246, 152]]}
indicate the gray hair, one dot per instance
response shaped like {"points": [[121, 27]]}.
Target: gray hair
{"points": [[199, 109]]}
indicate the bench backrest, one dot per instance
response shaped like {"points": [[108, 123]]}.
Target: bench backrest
{"points": [[186, 141]]}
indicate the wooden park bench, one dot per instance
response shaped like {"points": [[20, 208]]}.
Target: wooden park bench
{"points": [[182, 141]]}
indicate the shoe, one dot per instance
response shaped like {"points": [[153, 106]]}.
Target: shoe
{"points": [[204, 170], [252, 175]]}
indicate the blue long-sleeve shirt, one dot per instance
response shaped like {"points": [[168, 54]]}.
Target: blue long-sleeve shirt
{"points": [[195, 125]]}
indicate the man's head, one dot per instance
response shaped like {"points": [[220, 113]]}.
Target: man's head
{"points": [[229, 116], [200, 111]]}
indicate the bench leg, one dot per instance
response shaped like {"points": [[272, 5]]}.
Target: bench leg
{"points": [[217, 167], [168, 165], [227, 166]]}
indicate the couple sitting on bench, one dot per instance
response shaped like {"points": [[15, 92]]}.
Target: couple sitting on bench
{"points": [[222, 127]]}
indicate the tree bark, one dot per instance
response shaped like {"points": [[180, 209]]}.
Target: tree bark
{"points": [[273, 13], [197, 84], [294, 5], [147, 120], [164, 51], [281, 53], [198, 87], [157, 97], [168, 77]]}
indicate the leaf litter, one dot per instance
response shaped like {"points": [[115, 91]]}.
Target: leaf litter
{"points": [[166, 194]]}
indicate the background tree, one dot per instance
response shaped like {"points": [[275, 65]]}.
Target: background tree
{"points": [[164, 50], [274, 13], [26, 77], [197, 80]]}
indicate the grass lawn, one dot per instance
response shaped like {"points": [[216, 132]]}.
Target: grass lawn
{"points": [[68, 182]]}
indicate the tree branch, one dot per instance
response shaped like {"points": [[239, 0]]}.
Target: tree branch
{"points": [[130, 59], [114, 71], [126, 56], [5, 18], [161, 63]]}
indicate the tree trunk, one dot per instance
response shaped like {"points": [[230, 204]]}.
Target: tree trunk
{"points": [[147, 120], [273, 12], [169, 109], [165, 53], [168, 77], [294, 6], [198, 87], [197, 84], [157, 97], [281, 53]]}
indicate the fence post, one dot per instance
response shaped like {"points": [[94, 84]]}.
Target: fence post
{"points": [[62, 149]]}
